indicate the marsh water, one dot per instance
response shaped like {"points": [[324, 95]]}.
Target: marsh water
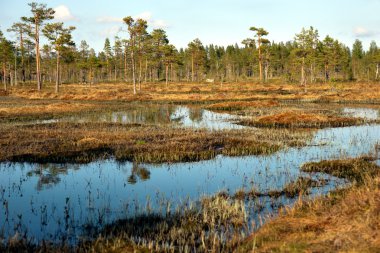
{"points": [[63, 201], [178, 116]]}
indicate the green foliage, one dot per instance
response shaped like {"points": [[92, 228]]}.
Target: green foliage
{"points": [[147, 56], [59, 36]]}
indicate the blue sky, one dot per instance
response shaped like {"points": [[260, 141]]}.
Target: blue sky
{"points": [[220, 22]]}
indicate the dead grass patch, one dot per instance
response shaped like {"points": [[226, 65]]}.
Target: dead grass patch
{"points": [[240, 105], [298, 119], [85, 142], [185, 92], [49, 108], [344, 221]]}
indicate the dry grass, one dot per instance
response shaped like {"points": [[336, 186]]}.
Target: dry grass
{"points": [[344, 221], [356, 170], [50, 108], [300, 119], [70, 142], [239, 105], [215, 225], [212, 225], [199, 92], [301, 185]]}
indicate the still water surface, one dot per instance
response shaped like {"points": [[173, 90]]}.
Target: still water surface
{"points": [[59, 202]]}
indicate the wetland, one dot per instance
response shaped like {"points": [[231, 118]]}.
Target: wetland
{"points": [[164, 176]]}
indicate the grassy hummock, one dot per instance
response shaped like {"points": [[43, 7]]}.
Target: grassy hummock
{"points": [[346, 220], [295, 119], [86, 142]]}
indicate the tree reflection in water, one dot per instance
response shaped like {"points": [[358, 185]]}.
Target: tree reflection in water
{"points": [[138, 172], [48, 175]]}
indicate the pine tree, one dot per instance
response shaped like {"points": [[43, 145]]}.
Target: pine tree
{"points": [[108, 55], [118, 55], [60, 38], [169, 59], [40, 14], [198, 58], [6, 57], [21, 29], [260, 33], [357, 57], [307, 42], [83, 63]]}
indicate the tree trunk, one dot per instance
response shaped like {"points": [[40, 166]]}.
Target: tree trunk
{"points": [[22, 57], [377, 71], [91, 77], [57, 74], [140, 72], [125, 63], [368, 75], [266, 72], [109, 66], [260, 61], [166, 74], [4, 76], [146, 69], [16, 68], [187, 74], [29, 67], [311, 73], [10, 74], [38, 67], [133, 70], [303, 80], [192, 68], [171, 76]]}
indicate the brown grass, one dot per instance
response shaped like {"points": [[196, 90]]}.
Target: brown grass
{"points": [[299, 119], [344, 221], [356, 170], [70, 142], [199, 92], [36, 109], [239, 105], [301, 185]]}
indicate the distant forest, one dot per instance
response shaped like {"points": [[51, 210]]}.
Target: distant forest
{"points": [[143, 56]]}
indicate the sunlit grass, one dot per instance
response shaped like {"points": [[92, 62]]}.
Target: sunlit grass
{"points": [[345, 220]]}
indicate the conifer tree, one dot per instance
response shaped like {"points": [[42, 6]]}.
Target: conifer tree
{"points": [[260, 33], [40, 14], [60, 38]]}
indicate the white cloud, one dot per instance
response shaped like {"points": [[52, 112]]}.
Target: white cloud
{"points": [[109, 19], [146, 15], [363, 32], [62, 13], [159, 23], [111, 31]]}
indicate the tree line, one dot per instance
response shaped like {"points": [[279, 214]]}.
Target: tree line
{"points": [[142, 57]]}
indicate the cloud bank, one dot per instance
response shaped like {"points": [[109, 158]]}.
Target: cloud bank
{"points": [[62, 13], [363, 32]]}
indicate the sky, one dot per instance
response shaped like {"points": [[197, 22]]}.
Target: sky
{"points": [[218, 22]]}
